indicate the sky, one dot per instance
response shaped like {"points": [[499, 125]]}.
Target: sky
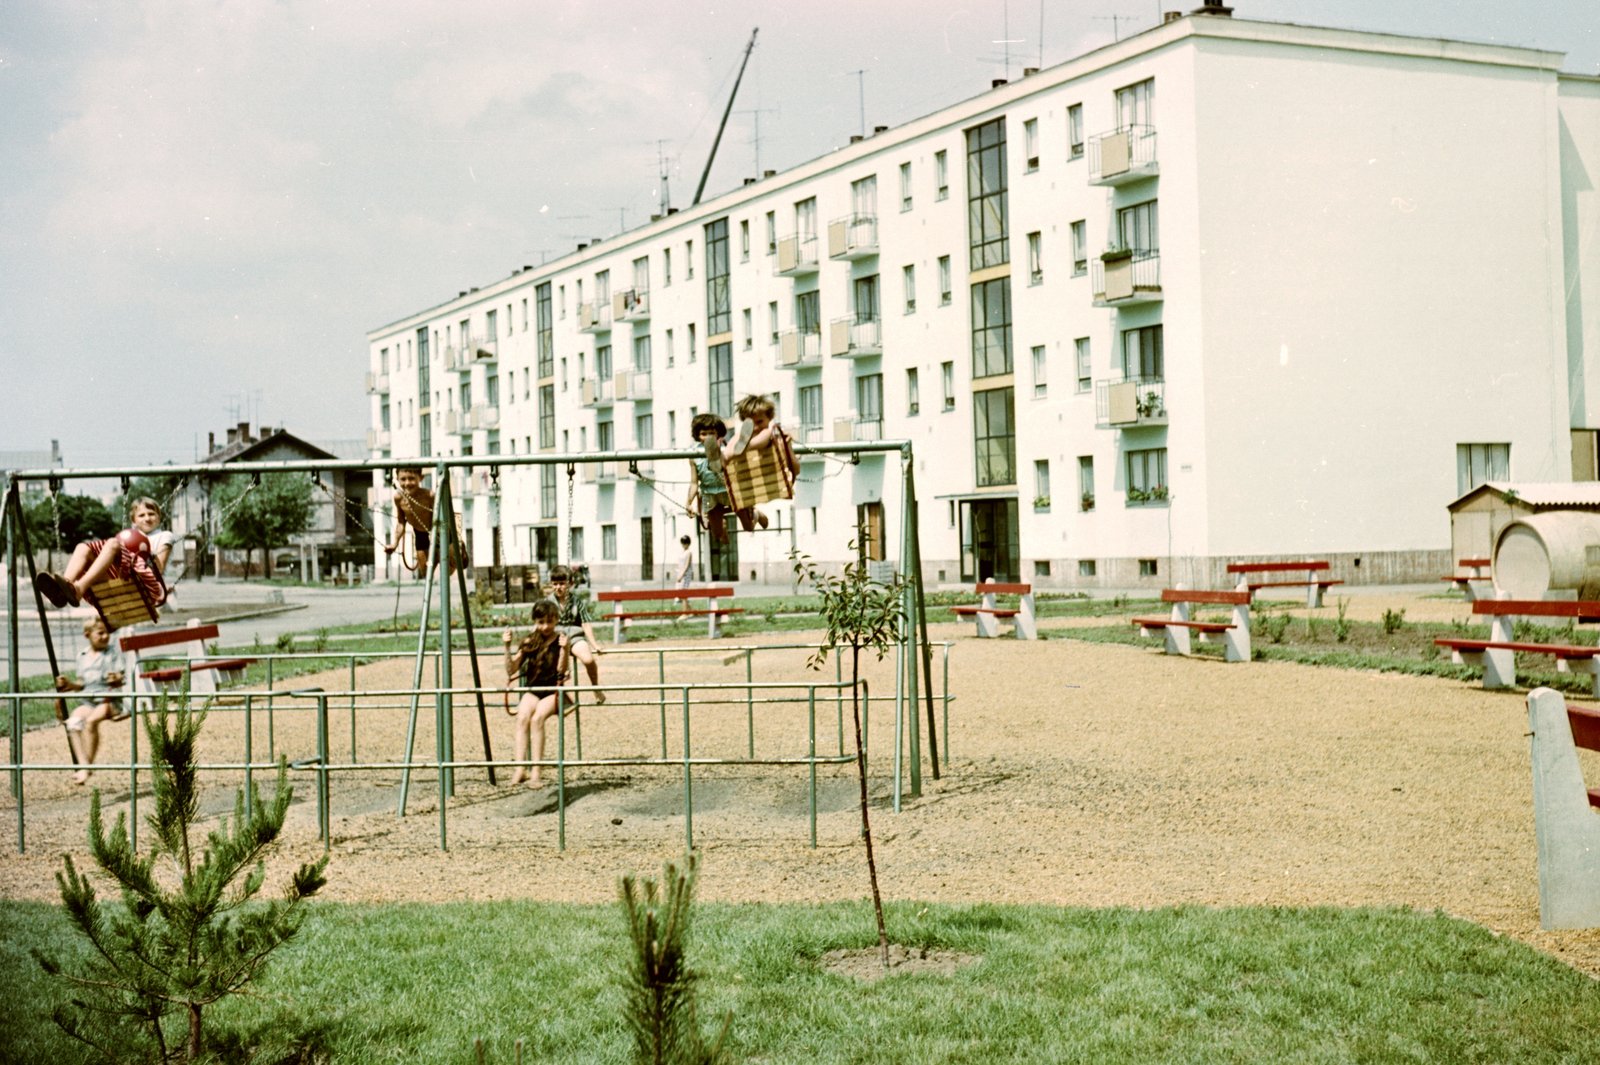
{"points": [[204, 206]]}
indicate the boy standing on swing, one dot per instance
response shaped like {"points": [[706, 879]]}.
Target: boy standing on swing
{"points": [[413, 509]]}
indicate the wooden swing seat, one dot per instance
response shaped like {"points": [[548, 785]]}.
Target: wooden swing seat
{"points": [[756, 477], [121, 603]]}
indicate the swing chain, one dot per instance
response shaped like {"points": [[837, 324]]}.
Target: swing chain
{"points": [[572, 476]]}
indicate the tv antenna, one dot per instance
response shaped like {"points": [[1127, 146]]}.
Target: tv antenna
{"points": [[861, 91], [756, 113], [1116, 20], [661, 171]]}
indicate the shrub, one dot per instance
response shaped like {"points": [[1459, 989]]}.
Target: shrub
{"points": [[1341, 626], [1392, 620], [1276, 626]]}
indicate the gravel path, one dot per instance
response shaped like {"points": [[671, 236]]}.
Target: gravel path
{"points": [[1082, 774]]}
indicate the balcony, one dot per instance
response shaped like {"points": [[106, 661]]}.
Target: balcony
{"points": [[1124, 155], [594, 317], [599, 473], [812, 434], [451, 362], [797, 256], [800, 349], [1131, 403], [452, 421], [483, 418], [631, 306], [597, 392], [853, 428], [1126, 279], [377, 382], [632, 384], [484, 348], [853, 237], [855, 338], [377, 439]]}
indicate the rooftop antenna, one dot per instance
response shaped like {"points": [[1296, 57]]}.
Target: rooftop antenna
{"points": [[1116, 32], [861, 87], [756, 113], [661, 170], [726, 111]]}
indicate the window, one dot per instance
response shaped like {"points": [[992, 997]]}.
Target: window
{"points": [[641, 274], [864, 197], [492, 388], [947, 378], [772, 321], [941, 175], [1147, 476], [384, 413], [563, 301], [952, 520], [547, 416], [913, 403], [1086, 567], [670, 358], [908, 276], [772, 233], [1035, 259], [744, 240], [547, 492], [749, 330], [644, 432], [383, 361], [1086, 482], [666, 266], [805, 219], [688, 258], [466, 396], [807, 312], [719, 303], [546, 328], [905, 186], [691, 342], [1041, 567], [1039, 370], [608, 543], [524, 316], [866, 293], [944, 280], [991, 327], [986, 195], [602, 362], [811, 407], [719, 358], [1137, 229], [1141, 354], [869, 399], [1082, 346], [641, 354], [994, 436], [602, 288], [1080, 249], [1136, 104], [1479, 463], [605, 436], [1075, 135], [490, 319], [1147, 567], [672, 428], [1041, 482], [1030, 143], [563, 375]]}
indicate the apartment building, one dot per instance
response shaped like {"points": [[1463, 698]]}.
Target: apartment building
{"points": [[1223, 290]]}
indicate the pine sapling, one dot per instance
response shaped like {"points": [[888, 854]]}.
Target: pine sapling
{"points": [[185, 936]]}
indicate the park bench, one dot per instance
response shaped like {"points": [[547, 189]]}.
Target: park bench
{"points": [[203, 671], [713, 612], [1496, 656], [1566, 829], [1477, 566], [1313, 584], [1024, 620], [1234, 636]]}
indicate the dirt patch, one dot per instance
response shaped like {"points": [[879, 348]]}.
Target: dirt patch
{"points": [[1081, 774], [866, 966]]}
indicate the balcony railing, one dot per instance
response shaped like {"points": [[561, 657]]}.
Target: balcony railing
{"points": [[485, 348], [1129, 403], [853, 237], [1126, 280], [632, 384], [799, 349], [484, 418], [1123, 155], [594, 317], [452, 421], [812, 434], [377, 438], [797, 256], [855, 338], [631, 306], [599, 472], [854, 428], [597, 391], [450, 359], [377, 382]]}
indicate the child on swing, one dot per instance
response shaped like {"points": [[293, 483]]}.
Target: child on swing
{"points": [[138, 554], [539, 664], [100, 672], [413, 509], [573, 621], [757, 431]]}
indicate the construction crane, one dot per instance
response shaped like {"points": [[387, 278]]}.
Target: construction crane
{"points": [[725, 113]]}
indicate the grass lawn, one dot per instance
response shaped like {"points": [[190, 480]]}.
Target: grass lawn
{"points": [[417, 983]]}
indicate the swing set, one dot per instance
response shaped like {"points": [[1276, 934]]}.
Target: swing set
{"points": [[750, 483]]}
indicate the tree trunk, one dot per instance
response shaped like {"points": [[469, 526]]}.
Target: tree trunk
{"points": [[861, 771], [191, 1051]]}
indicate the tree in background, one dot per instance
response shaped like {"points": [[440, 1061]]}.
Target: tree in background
{"points": [[81, 518], [264, 515]]}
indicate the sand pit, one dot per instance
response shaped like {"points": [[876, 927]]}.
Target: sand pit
{"points": [[1083, 774]]}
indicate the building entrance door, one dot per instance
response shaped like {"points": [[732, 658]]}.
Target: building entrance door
{"points": [[989, 541]]}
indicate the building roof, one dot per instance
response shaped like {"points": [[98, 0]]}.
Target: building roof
{"points": [[1541, 493], [268, 448], [344, 449]]}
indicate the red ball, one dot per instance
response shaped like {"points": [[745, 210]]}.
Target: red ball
{"points": [[135, 541]]}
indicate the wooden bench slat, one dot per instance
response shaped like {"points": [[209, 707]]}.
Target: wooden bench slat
{"points": [[166, 637], [1547, 608], [997, 612], [1274, 567], [666, 593], [1169, 595], [675, 613], [1474, 563], [1161, 623], [1559, 650], [1290, 584], [1003, 589], [1585, 728]]}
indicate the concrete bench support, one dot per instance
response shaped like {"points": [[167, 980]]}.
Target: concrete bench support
{"points": [[1565, 825]]}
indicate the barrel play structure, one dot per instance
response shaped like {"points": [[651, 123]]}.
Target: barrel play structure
{"points": [[1557, 550]]}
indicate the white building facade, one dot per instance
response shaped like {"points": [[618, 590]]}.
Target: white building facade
{"points": [[1223, 291]]}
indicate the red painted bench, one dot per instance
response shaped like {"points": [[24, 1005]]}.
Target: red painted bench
{"points": [[988, 615], [202, 671], [1477, 566], [1497, 655], [1313, 584], [712, 611], [1234, 636]]}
